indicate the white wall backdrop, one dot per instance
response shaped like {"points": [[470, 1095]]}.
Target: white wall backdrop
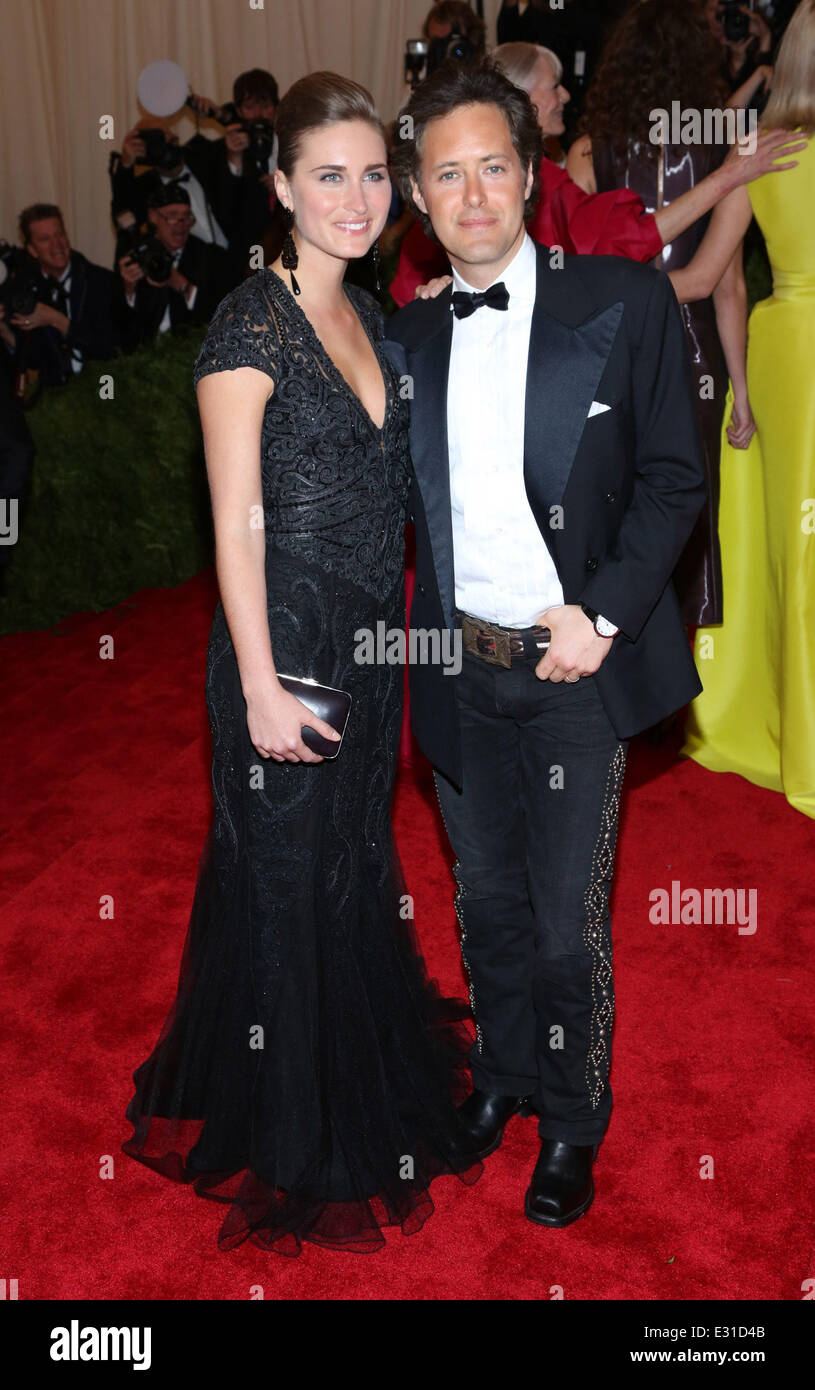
{"points": [[64, 64]]}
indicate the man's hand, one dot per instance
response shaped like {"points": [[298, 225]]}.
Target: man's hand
{"points": [[177, 282], [131, 272], [202, 105], [42, 315], [133, 148], [575, 649], [236, 140]]}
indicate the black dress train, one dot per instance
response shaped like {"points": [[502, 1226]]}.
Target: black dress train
{"points": [[308, 1072]]}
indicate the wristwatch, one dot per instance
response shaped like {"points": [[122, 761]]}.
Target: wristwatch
{"points": [[602, 626]]}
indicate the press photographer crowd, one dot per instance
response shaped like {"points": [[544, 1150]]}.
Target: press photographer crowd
{"points": [[190, 220]]}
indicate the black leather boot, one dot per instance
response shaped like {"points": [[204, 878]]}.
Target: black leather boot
{"points": [[484, 1116], [562, 1188]]}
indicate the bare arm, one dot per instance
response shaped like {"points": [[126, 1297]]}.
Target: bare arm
{"points": [[231, 405], [730, 221], [730, 303], [579, 165], [741, 97], [736, 170]]}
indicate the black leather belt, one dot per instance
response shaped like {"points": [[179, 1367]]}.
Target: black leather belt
{"points": [[499, 645]]}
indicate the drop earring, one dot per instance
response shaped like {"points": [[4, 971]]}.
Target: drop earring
{"points": [[375, 264], [289, 252]]}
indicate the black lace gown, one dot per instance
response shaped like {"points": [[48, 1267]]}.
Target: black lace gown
{"points": [[308, 1072]]}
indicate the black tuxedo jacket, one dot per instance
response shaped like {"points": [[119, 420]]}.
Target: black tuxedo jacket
{"points": [[92, 323], [202, 263], [615, 496]]}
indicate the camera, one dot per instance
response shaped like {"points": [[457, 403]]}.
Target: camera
{"points": [[423, 56], [260, 132], [159, 152], [20, 289], [147, 251], [736, 25], [455, 45]]}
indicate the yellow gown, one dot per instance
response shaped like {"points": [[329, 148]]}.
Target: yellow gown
{"points": [[756, 715]]}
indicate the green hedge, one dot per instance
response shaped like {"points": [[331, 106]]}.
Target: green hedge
{"points": [[119, 498]]}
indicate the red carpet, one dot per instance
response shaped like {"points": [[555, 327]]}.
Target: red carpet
{"points": [[107, 793]]}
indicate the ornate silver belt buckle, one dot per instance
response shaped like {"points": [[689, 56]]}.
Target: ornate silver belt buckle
{"points": [[499, 655]]}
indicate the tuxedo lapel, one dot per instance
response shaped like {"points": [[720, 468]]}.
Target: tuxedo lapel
{"points": [[568, 350], [428, 363]]}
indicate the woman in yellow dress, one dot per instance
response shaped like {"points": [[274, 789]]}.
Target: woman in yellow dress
{"points": [[756, 715]]}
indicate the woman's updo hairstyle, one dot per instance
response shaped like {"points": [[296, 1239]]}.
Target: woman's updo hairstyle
{"points": [[320, 99]]}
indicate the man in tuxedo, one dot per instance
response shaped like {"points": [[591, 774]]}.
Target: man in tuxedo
{"points": [[557, 476], [73, 318], [196, 282]]}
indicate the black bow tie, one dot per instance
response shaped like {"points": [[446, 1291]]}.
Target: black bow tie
{"points": [[464, 304]]}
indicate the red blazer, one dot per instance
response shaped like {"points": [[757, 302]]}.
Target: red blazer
{"points": [[584, 224]]}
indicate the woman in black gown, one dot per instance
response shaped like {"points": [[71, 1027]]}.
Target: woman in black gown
{"points": [[308, 1073]]}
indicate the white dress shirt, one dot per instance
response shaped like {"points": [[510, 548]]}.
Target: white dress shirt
{"points": [[503, 569], [65, 281], [205, 224]]}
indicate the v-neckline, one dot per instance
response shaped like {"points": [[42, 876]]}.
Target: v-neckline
{"points": [[378, 430]]}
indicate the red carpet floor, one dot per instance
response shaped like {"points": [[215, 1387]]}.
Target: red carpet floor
{"points": [[107, 793]]}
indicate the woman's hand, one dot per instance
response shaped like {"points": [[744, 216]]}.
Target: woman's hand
{"points": [[742, 426], [275, 721], [433, 287], [770, 145]]}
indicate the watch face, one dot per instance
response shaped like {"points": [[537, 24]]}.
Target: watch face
{"points": [[605, 628]]}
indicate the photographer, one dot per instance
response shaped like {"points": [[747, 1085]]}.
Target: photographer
{"points": [[67, 316], [746, 42], [451, 17], [247, 155], [168, 277], [200, 166]]}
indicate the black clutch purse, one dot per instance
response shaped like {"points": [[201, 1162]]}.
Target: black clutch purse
{"points": [[327, 703]]}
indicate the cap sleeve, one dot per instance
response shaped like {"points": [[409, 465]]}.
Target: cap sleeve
{"points": [[242, 333]]}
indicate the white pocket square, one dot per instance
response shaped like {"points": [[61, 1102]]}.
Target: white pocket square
{"points": [[597, 408]]}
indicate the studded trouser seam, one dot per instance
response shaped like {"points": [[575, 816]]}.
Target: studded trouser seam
{"points": [[597, 934]]}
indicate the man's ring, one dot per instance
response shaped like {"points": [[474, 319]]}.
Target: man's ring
{"points": [[571, 682]]}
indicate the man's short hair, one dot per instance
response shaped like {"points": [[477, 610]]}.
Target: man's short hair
{"points": [[258, 83], [454, 84], [37, 212]]}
